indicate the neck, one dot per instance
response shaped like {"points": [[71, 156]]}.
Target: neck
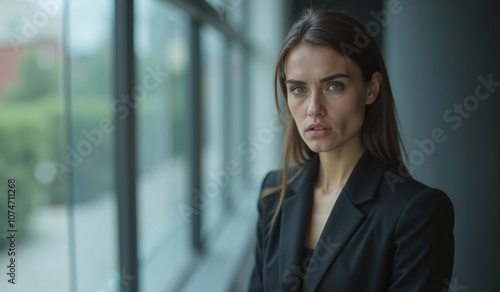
{"points": [[336, 166]]}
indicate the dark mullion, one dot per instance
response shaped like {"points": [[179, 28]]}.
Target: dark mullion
{"points": [[245, 100], [125, 144], [227, 115], [195, 140]]}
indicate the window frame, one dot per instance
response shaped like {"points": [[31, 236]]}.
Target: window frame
{"points": [[200, 12]]}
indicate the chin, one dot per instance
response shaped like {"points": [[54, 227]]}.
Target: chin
{"points": [[317, 147]]}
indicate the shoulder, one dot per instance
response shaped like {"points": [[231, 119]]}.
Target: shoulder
{"points": [[410, 194], [274, 178], [271, 181], [419, 223], [270, 187]]}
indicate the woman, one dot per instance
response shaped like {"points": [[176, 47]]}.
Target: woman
{"points": [[349, 217]]}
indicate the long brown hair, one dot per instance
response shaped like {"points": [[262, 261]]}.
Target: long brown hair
{"points": [[347, 36]]}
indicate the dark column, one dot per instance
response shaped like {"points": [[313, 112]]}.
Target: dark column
{"points": [[125, 141], [195, 138], [439, 54]]}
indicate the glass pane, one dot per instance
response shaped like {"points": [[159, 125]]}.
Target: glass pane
{"points": [[215, 179], [237, 127], [162, 58], [91, 149], [34, 255], [230, 11]]}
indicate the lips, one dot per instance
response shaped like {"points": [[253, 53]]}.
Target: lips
{"points": [[317, 126], [318, 130]]}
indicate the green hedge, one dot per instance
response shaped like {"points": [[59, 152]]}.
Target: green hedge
{"points": [[31, 133]]}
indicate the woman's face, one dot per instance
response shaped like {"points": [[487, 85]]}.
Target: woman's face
{"points": [[327, 97]]}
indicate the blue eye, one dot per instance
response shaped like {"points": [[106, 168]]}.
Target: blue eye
{"points": [[336, 87], [298, 90]]}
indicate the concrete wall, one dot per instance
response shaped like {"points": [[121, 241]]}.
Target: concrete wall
{"points": [[439, 54]]}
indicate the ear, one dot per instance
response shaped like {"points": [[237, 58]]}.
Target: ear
{"points": [[373, 87]]}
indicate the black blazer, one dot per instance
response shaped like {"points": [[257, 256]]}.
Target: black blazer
{"points": [[386, 232]]}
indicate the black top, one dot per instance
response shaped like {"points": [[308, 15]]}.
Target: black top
{"points": [[308, 253]]}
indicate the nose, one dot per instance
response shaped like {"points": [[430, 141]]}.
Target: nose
{"points": [[316, 108]]}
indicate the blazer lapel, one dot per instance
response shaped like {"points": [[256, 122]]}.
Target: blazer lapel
{"points": [[295, 215], [344, 220], [345, 217]]}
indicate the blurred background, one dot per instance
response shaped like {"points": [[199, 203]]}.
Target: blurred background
{"points": [[138, 133]]}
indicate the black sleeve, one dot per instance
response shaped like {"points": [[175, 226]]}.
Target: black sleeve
{"points": [[256, 277], [424, 244]]}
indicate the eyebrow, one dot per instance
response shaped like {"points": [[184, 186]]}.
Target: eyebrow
{"points": [[322, 80]]}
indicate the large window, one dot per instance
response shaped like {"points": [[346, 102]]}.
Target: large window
{"points": [[61, 114], [31, 151], [162, 71], [91, 120]]}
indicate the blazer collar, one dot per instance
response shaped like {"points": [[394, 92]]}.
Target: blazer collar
{"points": [[307, 177], [360, 186], [342, 223]]}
